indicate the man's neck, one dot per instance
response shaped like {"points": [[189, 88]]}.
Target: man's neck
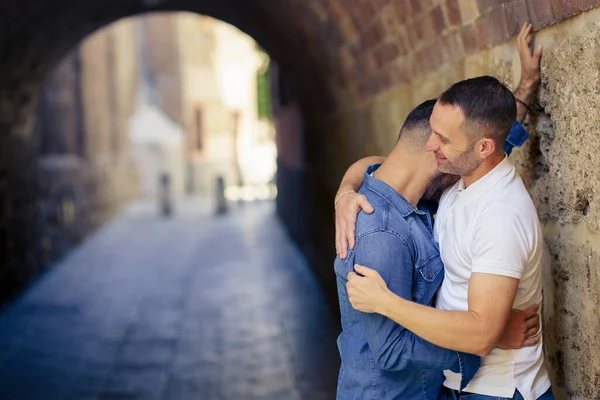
{"points": [[486, 166], [404, 176]]}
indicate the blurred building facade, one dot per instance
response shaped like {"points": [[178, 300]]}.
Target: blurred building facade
{"points": [[86, 172], [204, 76], [168, 93]]}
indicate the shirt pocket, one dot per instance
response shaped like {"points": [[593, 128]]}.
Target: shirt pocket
{"points": [[429, 278], [431, 268]]}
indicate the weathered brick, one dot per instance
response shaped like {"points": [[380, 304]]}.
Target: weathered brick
{"points": [[424, 59], [425, 28], [352, 77], [383, 81], [416, 6], [431, 57], [364, 14], [484, 5], [331, 30], [372, 36], [400, 9], [563, 9], [319, 10], [348, 29], [469, 39], [516, 16], [346, 58], [385, 53], [390, 21], [468, 10], [451, 43], [540, 12], [492, 27], [412, 36], [338, 11], [585, 5], [404, 39], [453, 12], [437, 20], [400, 73]]}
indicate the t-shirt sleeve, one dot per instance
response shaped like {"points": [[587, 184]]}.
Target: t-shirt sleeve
{"points": [[501, 244]]}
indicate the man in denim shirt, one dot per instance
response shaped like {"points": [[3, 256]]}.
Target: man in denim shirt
{"points": [[381, 359]]}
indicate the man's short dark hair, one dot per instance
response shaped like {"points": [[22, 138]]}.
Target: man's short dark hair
{"points": [[488, 106], [416, 127]]}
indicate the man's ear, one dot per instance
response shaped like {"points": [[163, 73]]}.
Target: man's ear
{"points": [[486, 147]]}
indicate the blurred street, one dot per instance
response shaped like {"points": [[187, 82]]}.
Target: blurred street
{"points": [[197, 306]]}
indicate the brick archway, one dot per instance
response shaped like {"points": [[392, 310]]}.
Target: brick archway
{"points": [[357, 67]]}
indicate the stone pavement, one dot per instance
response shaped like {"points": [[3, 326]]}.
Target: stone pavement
{"points": [[194, 307]]}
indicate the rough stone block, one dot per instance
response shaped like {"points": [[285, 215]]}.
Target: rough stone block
{"points": [[570, 311]]}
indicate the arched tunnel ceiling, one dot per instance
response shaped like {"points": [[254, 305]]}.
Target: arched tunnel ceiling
{"points": [[35, 35]]}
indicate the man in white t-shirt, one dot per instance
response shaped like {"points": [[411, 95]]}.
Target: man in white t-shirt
{"points": [[491, 244]]}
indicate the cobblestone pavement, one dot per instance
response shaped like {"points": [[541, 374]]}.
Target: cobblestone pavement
{"points": [[193, 307]]}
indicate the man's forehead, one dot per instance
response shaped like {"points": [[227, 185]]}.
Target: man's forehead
{"points": [[448, 109]]}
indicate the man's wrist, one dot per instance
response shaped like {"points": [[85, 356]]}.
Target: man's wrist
{"points": [[526, 88], [344, 187], [529, 83], [387, 298]]}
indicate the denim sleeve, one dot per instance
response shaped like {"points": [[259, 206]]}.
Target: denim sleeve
{"points": [[516, 137], [394, 347]]}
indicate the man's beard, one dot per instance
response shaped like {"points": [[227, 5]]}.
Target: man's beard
{"points": [[438, 185], [466, 163]]}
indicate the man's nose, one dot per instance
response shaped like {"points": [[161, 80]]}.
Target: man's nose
{"points": [[432, 144]]}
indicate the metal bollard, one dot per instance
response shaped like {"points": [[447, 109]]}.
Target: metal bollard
{"points": [[165, 199], [221, 201]]}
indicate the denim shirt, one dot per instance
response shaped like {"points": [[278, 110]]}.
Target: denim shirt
{"points": [[381, 359]]}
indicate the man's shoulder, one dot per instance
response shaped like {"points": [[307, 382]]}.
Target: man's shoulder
{"points": [[509, 199], [384, 219]]}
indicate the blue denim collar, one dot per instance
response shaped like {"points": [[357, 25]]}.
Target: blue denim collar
{"points": [[388, 193]]}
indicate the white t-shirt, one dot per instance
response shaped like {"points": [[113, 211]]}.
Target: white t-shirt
{"points": [[493, 227]]}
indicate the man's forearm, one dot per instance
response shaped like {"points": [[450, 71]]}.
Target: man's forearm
{"points": [[456, 330], [526, 93], [353, 178]]}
